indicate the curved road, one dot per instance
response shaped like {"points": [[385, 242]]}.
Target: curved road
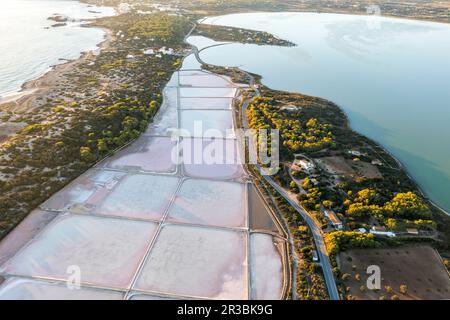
{"points": [[315, 229]]}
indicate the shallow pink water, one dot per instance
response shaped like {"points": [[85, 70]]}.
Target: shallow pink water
{"points": [[213, 203], [152, 154], [206, 103], [201, 227]]}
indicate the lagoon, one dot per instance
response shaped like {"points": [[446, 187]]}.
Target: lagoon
{"points": [[391, 76]]}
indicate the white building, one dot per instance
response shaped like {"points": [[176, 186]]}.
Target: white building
{"points": [[335, 221], [149, 52], [377, 162], [306, 165], [291, 108], [355, 153], [388, 234]]}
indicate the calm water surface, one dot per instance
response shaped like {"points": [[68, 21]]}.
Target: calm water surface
{"points": [[29, 48], [391, 76]]}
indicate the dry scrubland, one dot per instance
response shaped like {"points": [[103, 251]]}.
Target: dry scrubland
{"points": [[434, 10], [100, 104]]}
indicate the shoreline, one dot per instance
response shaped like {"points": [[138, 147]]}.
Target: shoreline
{"points": [[332, 12], [22, 100], [401, 166]]}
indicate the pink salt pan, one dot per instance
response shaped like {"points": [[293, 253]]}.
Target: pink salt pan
{"points": [[106, 251], [211, 158], [206, 81], [152, 154], [215, 203], [266, 268], [28, 289], [206, 103], [140, 196], [198, 262]]}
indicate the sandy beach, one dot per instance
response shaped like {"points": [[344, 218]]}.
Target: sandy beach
{"points": [[24, 100]]}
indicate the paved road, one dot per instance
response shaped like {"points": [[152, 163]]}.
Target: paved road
{"points": [[318, 239], [315, 229]]}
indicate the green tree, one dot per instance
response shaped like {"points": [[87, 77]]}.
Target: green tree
{"points": [[408, 205], [86, 154]]}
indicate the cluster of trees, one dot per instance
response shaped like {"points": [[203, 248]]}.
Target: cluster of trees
{"points": [[312, 199], [117, 124], [369, 203], [310, 282], [160, 27], [408, 205], [402, 224], [341, 240]]}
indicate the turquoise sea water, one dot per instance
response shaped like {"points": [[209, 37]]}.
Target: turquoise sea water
{"points": [[391, 76]]}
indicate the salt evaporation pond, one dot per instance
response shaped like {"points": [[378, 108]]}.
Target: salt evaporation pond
{"points": [[140, 226], [198, 262], [206, 103], [106, 250], [267, 269], [202, 202], [141, 156]]}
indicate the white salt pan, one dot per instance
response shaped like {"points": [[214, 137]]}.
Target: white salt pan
{"points": [[210, 203], [152, 154], [207, 123], [207, 92], [266, 268], [26, 289], [140, 196], [206, 103], [107, 251], [197, 261]]}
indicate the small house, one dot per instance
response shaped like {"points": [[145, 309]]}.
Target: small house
{"points": [[355, 153], [377, 162], [305, 165], [335, 221], [412, 231]]}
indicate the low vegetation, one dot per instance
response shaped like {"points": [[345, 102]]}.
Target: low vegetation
{"points": [[347, 174], [95, 108], [230, 34]]}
